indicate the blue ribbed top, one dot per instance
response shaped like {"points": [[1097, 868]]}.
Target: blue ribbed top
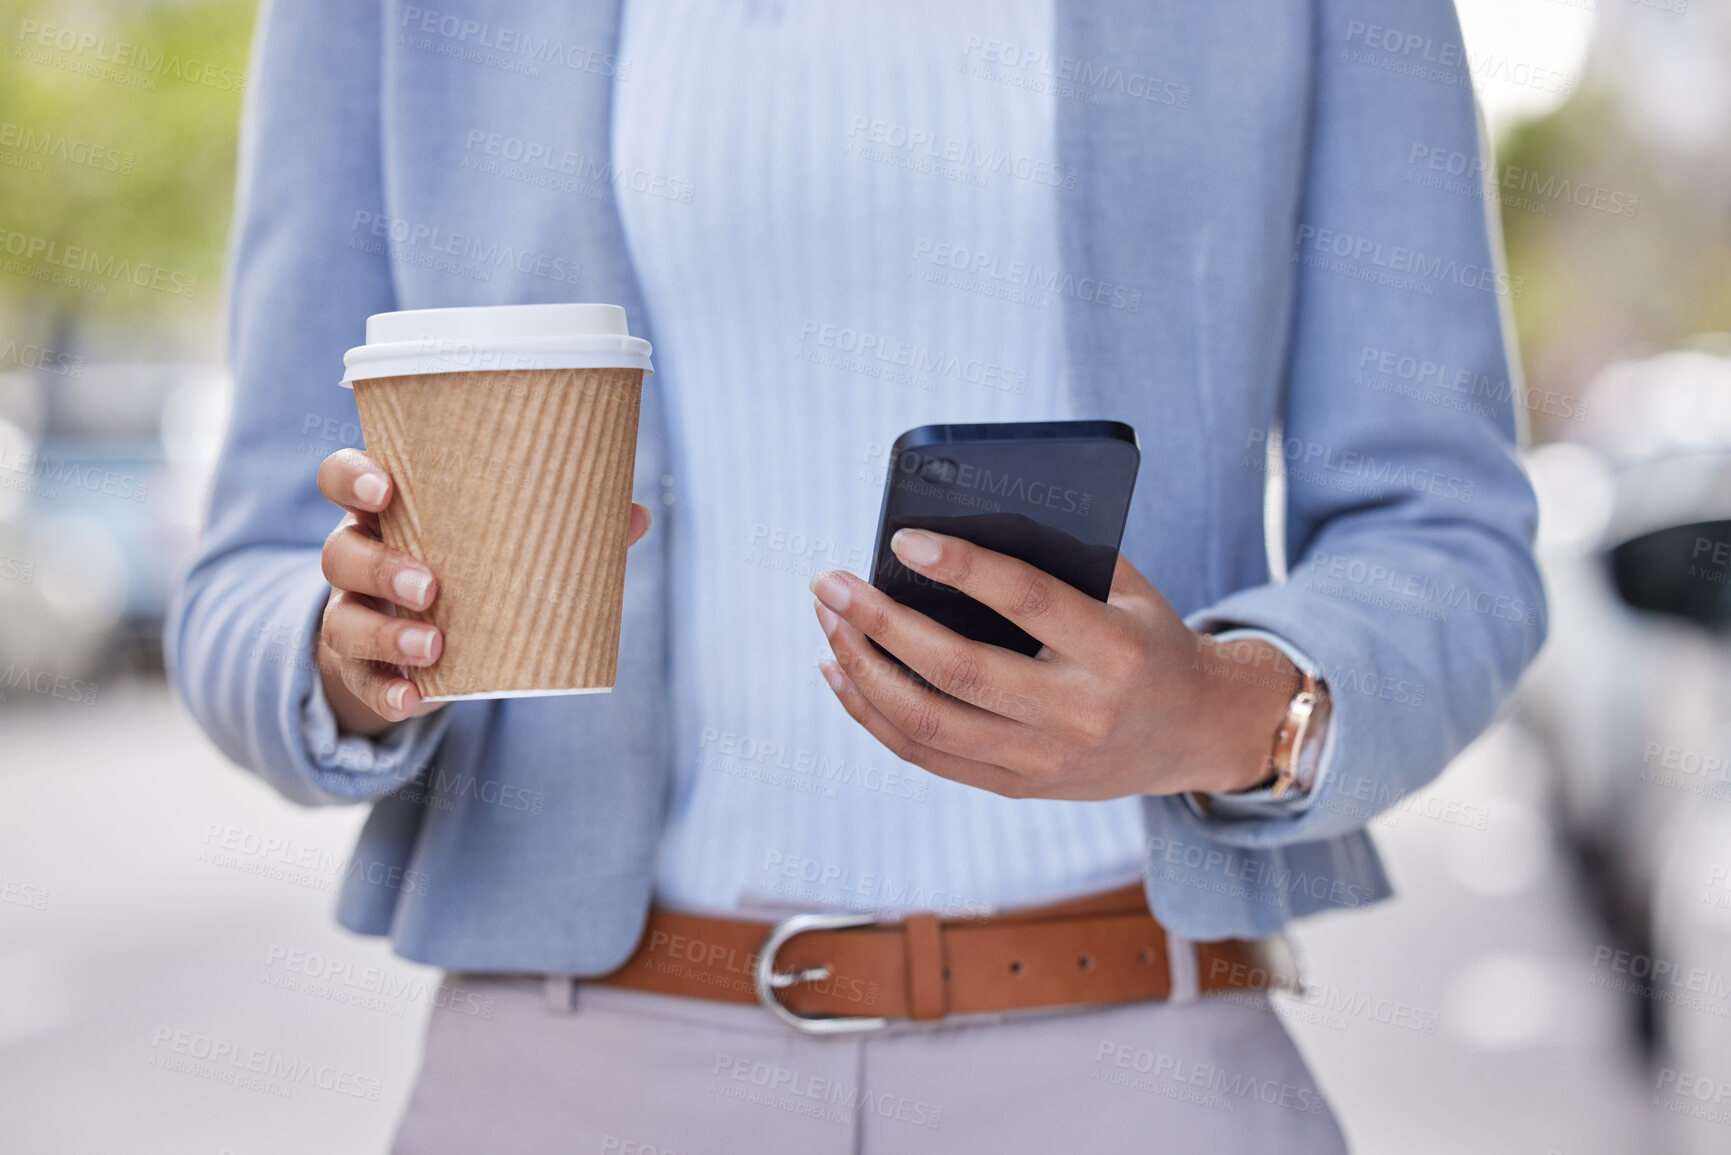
{"points": [[804, 188]]}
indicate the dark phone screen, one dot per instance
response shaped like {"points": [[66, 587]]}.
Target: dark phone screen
{"points": [[1053, 494]]}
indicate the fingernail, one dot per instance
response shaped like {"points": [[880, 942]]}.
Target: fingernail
{"points": [[411, 586], [395, 695], [826, 619], [832, 591], [370, 489], [417, 641], [831, 674], [916, 546]]}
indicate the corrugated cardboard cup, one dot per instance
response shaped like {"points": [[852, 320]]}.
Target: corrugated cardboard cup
{"points": [[511, 433]]}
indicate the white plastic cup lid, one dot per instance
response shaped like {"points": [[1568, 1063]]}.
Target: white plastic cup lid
{"points": [[495, 337]]}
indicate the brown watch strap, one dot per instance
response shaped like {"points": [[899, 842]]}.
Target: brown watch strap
{"points": [[1104, 948]]}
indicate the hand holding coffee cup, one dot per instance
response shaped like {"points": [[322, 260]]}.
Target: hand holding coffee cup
{"points": [[362, 645], [483, 555]]}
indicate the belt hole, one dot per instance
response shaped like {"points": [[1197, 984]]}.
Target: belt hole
{"points": [[1146, 955], [1086, 962], [1016, 967]]}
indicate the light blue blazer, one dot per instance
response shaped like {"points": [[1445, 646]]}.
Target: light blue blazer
{"points": [[1253, 169]]}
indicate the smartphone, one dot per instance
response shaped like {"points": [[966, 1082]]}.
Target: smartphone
{"points": [[1054, 494]]}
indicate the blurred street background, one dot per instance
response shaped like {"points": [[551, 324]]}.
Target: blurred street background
{"points": [[1554, 977]]}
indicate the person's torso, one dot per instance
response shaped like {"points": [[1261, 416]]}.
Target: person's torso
{"points": [[496, 180]]}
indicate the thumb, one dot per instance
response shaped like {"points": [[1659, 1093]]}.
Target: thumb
{"points": [[640, 521]]}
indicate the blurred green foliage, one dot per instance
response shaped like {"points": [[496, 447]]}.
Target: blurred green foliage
{"points": [[1602, 285], [117, 137]]}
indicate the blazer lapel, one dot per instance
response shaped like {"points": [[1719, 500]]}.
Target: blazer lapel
{"points": [[1180, 167], [498, 176]]}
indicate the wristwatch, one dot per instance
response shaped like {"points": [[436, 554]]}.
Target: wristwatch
{"points": [[1296, 748]]}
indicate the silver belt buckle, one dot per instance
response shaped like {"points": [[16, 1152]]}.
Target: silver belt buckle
{"points": [[770, 980]]}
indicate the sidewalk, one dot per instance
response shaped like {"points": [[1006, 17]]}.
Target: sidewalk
{"points": [[1461, 1015]]}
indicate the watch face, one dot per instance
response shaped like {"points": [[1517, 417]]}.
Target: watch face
{"points": [[1309, 755]]}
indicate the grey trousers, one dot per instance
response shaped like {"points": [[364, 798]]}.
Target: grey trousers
{"points": [[507, 1069]]}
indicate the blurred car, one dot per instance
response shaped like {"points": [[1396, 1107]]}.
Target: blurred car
{"points": [[1631, 703], [103, 475]]}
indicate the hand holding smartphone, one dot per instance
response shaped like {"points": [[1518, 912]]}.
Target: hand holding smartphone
{"points": [[1126, 699]]}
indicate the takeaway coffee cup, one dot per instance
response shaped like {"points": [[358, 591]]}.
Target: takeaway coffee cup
{"points": [[511, 433]]}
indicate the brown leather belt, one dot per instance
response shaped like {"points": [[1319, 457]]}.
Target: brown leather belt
{"points": [[828, 973]]}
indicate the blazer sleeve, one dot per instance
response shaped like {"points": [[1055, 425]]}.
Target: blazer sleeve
{"points": [[241, 633], [1409, 523]]}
